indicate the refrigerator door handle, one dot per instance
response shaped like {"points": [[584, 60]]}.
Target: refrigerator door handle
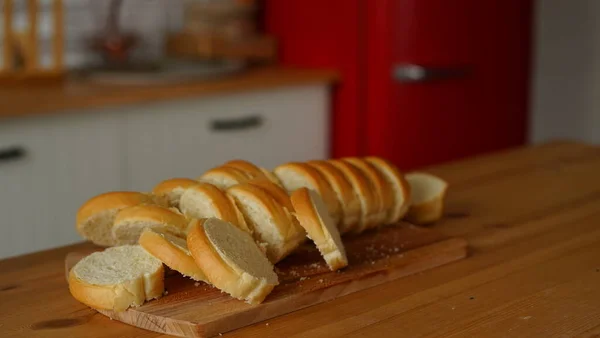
{"points": [[412, 73]]}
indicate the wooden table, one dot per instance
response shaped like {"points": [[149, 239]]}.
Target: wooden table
{"points": [[531, 215]]}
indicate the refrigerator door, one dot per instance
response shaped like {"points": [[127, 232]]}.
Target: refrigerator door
{"points": [[446, 79]]}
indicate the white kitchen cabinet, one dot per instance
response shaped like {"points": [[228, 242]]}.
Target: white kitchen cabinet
{"points": [[66, 160], [185, 138]]}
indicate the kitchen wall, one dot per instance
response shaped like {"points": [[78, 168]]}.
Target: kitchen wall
{"points": [[565, 100]]}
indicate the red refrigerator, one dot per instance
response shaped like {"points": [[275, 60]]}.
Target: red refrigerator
{"points": [[421, 81]]}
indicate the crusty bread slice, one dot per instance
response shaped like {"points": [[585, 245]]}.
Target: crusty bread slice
{"points": [[231, 260], [349, 201], [271, 176], [205, 200], [173, 252], [383, 192], [400, 188], [314, 218], [130, 222], [224, 177], [427, 195], [173, 188], [117, 278], [269, 221], [276, 191], [301, 175], [96, 216], [363, 192], [252, 170]]}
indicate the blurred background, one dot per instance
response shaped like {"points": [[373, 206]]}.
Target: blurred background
{"points": [[100, 95]]}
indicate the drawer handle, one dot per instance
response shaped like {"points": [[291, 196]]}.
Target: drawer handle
{"points": [[242, 123], [11, 154]]}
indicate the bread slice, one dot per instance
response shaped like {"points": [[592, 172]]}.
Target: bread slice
{"points": [[349, 201], [130, 222], [400, 188], [205, 200], [173, 188], [231, 259], [269, 221], [383, 192], [363, 191], [96, 216], [117, 278], [224, 177], [301, 175], [314, 218], [276, 191], [173, 252], [427, 195], [249, 168]]}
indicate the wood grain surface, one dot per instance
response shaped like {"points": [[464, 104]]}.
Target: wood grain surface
{"points": [[198, 310], [77, 95], [531, 217]]}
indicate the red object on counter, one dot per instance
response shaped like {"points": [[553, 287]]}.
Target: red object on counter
{"points": [[422, 81]]}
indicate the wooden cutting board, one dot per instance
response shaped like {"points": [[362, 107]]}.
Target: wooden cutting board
{"points": [[192, 309]]}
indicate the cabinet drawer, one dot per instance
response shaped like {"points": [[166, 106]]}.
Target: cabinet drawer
{"points": [[48, 168], [185, 138]]}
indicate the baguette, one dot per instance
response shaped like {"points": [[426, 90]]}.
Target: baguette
{"points": [[173, 188], [314, 218], [301, 175], [269, 221], [249, 168], [399, 185], [363, 192], [117, 278], [130, 222], [96, 216], [349, 201], [231, 259], [224, 177], [383, 192], [205, 200], [276, 191], [173, 252], [427, 194]]}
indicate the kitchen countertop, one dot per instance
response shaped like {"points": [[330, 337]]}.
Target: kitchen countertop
{"points": [[530, 216], [74, 95]]}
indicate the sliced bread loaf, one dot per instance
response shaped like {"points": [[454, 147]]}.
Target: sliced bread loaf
{"points": [[130, 222], [95, 218], [276, 191], [172, 251], [383, 192], [400, 188], [117, 278], [301, 175], [205, 200], [173, 188], [269, 221], [231, 259], [427, 196], [249, 168], [349, 201], [224, 177], [314, 218], [363, 191]]}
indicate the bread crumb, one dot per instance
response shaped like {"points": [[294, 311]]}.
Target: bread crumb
{"points": [[454, 307], [321, 280], [526, 317], [197, 284], [396, 249], [372, 262], [303, 278], [220, 334], [166, 292], [267, 324]]}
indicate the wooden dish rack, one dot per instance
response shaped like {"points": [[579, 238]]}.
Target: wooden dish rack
{"points": [[20, 49]]}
